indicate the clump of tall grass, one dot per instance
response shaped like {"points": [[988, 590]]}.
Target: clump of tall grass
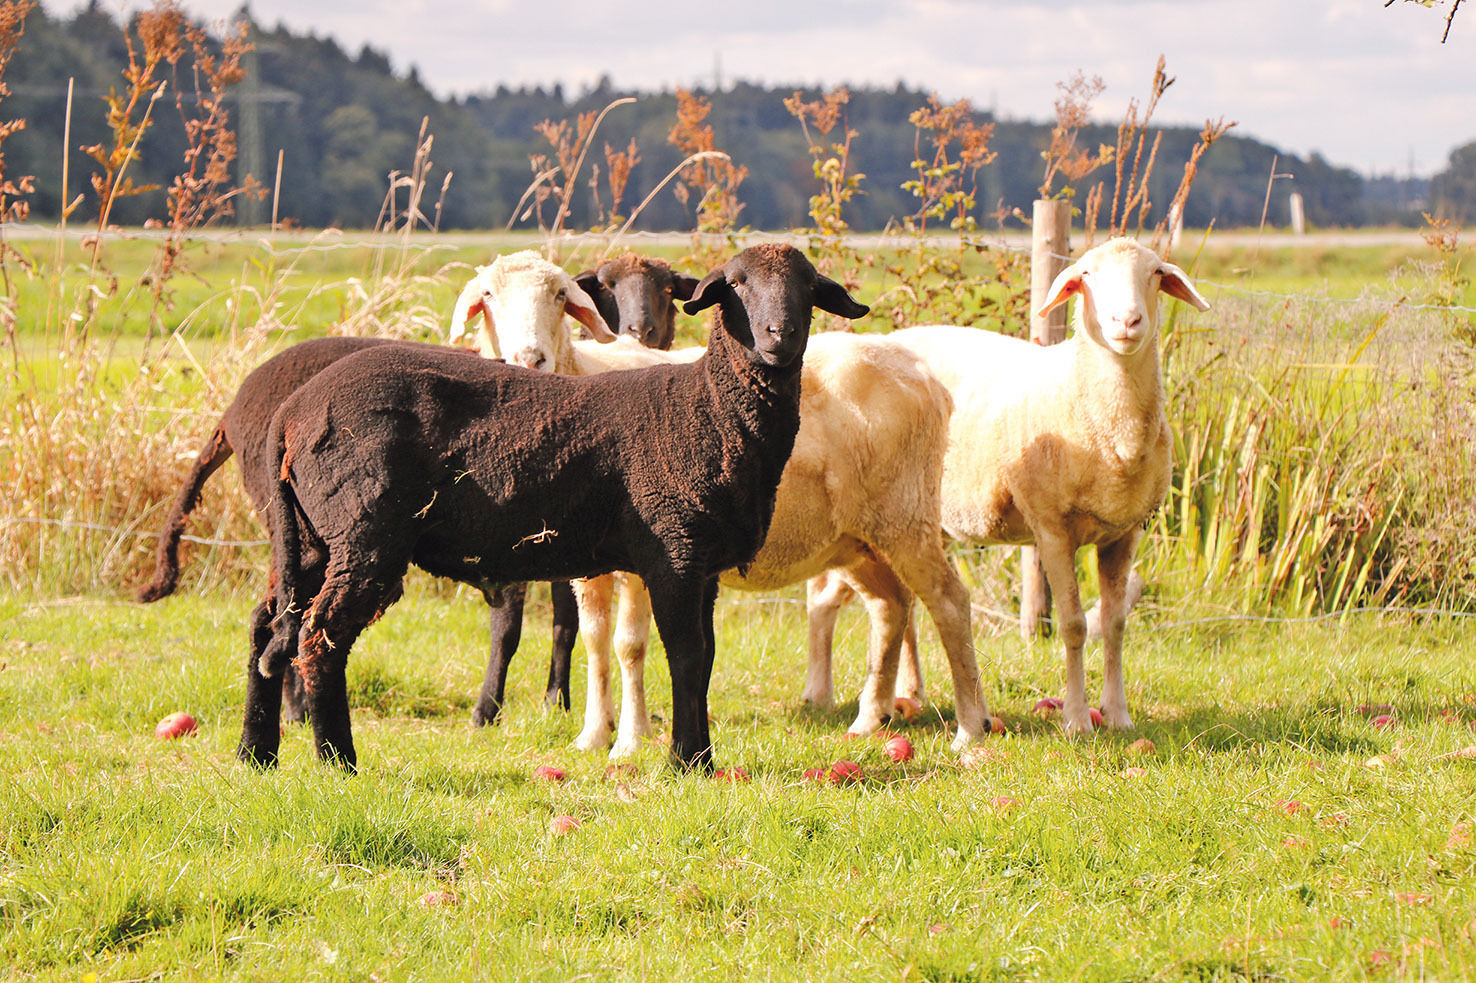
{"points": [[1322, 457]]}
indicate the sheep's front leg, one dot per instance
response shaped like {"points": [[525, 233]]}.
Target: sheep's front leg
{"points": [[505, 617], [1057, 555], [632, 633], [824, 596], [683, 611], [926, 570], [1114, 565], [261, 735], [595, 596], [888, 604]]}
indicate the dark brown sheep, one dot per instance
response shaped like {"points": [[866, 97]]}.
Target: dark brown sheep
{"points": [[634, 291], [634, 295], [488, 473]]}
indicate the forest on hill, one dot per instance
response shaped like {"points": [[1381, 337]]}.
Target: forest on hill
{"points": [[343, 121]]}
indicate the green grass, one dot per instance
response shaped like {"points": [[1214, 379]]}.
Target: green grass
{"points": [[126, 857]]}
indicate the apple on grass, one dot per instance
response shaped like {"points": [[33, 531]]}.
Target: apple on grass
{"points": [[176, 724], [898, 748]]}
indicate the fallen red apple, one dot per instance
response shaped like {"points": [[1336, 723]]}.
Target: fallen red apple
{"points": [[1382, 721], [1142, 746], [997, 725], [548, 773], [438, 899], [1096, 716], [1047, 706], [816, 774], [563, 825], [176, 724], [845, 772], [898, 748], [1004, 803], [1291, 806], [906, 707], [1134, 772], [733, 774]]}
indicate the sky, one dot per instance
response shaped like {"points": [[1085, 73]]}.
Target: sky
{"points": [[1368, 87]]}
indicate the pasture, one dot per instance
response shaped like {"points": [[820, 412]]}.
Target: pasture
{"points": [[1320, 509]]}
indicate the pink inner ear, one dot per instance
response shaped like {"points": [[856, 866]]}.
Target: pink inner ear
{"points": [[480, 307], [589, 319]]}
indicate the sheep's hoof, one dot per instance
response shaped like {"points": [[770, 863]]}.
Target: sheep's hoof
{"points": [[1117, 720], [818, 699], [593, 739]]}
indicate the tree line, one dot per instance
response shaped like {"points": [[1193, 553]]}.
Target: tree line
{"points": [[342, 121]]}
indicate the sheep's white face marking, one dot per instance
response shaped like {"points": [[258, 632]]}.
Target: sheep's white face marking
{"points": [[522, 299], [1119, 282]]}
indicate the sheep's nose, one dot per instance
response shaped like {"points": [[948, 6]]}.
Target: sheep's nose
{"points": [[530, 358], [1131, 320]]}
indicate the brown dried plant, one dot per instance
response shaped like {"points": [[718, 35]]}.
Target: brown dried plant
{"points": [[557, 178], [714, 180], [1063, 158], [12, 207], [161, 33], [204, 192], [619, 164]]}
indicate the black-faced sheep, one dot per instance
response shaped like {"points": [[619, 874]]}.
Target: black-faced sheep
{"points": [[487, 473], [860, 494], [515, 303], [1067, 445]]}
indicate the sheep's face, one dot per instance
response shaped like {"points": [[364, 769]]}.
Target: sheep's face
{"points": [[635, 295], [1119, 283], [767, 295], [522, 299]]}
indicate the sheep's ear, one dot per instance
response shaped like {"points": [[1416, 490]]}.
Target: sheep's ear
{"points": [[589, 282], [1176, 283], [469, 304], [579, 306], [709, 290], [682, 285], [832, 298], [1066, 285]]}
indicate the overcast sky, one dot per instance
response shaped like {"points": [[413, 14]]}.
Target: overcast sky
{"points": [[1370, 88]]}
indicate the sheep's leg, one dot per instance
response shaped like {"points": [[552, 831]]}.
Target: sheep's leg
{"points": [[505, 615], [888, 605], [261, 735], [350, 600], [1057, 555], [925, 568], [632, 633], [824, 595], [1114, 565], [595, 596], [909, 668], [294, 697], [683, 611], [565, 634]]}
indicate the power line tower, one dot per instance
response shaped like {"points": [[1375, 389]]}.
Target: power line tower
{"points": [[252, 159]]}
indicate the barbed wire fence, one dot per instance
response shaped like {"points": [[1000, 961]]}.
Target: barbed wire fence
{"points": [[286, 244]]}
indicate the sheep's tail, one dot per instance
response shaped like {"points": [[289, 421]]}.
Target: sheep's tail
{"points": [[286, 565], [166, 559]]}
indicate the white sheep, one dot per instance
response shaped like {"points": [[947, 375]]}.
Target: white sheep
{"points": [[1062, 446], [859, 493]]}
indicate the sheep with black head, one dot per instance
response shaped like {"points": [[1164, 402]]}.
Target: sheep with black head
{"points": [[488, 473]]}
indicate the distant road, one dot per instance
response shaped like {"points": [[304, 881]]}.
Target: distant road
{"points": [[502, 239]]}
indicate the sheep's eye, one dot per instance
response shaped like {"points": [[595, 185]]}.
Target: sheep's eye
{"points": [[738, 279], [561, 295]]}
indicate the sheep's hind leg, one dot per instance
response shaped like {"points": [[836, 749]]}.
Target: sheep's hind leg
{"points": [[1114, 565], [595, 596], [349, 602], [925, 568], [632, 634], [565, 634], [505, 615], [261, 735]]}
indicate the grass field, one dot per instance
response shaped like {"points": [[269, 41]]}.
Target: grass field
{"points": [[1273, 832]]}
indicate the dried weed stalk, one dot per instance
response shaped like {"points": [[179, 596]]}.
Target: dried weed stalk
{"points": [[713, 179]]}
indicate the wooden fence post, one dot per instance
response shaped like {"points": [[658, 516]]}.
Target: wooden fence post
{"points": [[1050, 247]]}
